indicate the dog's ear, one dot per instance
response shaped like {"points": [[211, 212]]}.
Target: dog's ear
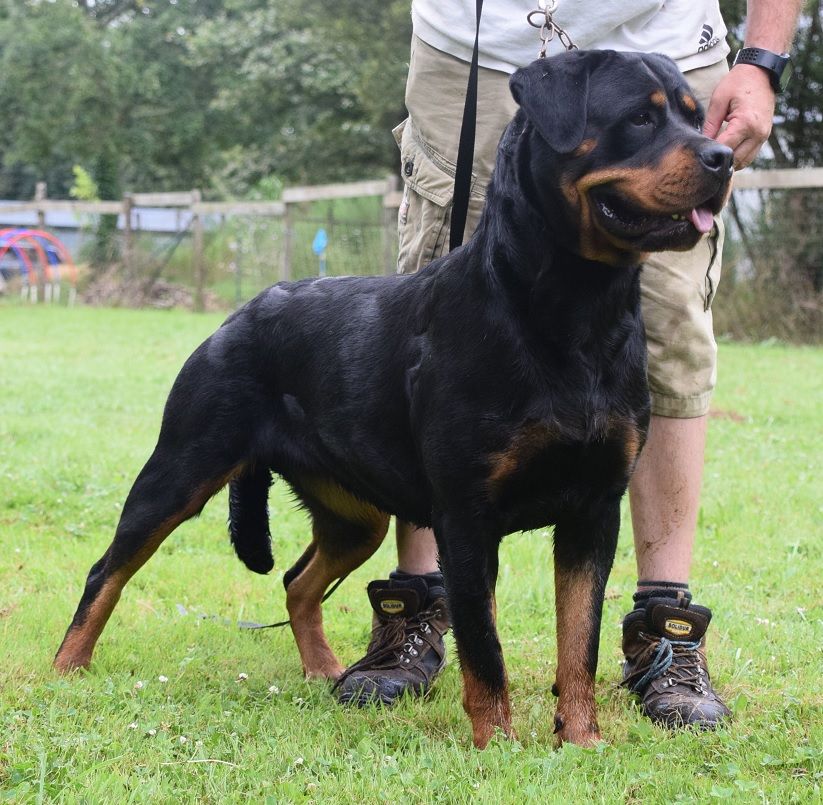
{"points": [[554, 95]]}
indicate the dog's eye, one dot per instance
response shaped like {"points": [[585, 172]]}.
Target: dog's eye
{"points": [[641, 119]]}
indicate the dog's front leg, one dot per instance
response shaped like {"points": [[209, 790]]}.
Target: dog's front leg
{"points": [[468, 557], [583, 552]]}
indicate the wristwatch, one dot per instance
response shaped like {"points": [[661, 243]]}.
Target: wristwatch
{"points": [[778, 66]]}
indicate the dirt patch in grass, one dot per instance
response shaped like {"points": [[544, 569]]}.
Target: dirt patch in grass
{"points": [[112, 289]]}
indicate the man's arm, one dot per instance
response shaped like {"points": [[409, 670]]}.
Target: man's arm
{"points": [[744, 99]]}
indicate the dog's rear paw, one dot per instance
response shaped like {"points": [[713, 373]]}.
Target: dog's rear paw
{"points": [[67, 664], [330, 671]]}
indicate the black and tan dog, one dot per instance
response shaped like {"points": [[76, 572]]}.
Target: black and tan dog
{"points": [[501, 388]]}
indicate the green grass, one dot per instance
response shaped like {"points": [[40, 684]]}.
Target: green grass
{"points": [[80, 403]]}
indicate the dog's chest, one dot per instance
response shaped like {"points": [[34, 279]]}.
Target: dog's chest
{"points": [[547, 470]]}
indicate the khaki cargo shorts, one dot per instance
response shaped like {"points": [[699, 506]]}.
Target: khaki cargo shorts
{"points": [[677, 287]]}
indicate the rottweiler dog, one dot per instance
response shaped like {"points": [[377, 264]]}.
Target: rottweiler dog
{"points": [[502, 388]]}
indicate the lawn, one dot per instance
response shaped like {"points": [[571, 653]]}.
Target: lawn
{"points": [[178, 707]]}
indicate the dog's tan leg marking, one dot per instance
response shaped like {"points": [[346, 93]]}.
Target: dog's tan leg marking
{"points": [[330, 561], [76, 650], [78, 644], [486, 709], [576, 718]]}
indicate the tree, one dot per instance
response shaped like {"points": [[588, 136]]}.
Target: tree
{"points": [[54, 90], [302, 96]]}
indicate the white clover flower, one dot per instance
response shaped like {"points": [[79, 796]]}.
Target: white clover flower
{"points": [[241, 677], [139, 685], [133, 725], [162, 678]]}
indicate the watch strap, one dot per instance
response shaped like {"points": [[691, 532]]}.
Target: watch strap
{"points": [[773, 63]]}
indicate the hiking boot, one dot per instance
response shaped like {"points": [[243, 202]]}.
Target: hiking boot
{"points": [[406, 651], [664, 644]]}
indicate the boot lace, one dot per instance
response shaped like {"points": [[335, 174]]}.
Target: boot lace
{"points": [[396, 643], [678, 660]]}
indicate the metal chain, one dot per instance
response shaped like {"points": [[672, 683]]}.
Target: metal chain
{"points": [[542, 18]]}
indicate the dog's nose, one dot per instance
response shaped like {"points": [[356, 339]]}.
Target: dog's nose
{"points": [[717, 159]]}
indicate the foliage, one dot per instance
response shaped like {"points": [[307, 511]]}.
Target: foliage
{"points": [[216, 94], [76, 379], [84, 187], [238, 97], [220, 94], [777, 275], [54, 91]]}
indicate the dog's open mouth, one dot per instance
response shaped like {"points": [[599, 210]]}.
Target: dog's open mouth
{"points": [[621, 218]]}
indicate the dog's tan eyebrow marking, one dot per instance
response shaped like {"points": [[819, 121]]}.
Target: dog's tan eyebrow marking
{"points": [[689, 102], [586, 147], [658, 98]]}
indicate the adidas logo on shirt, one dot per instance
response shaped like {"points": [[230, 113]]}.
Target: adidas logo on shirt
{"points": [[707, 38]]}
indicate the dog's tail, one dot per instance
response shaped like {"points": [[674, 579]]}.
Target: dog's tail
{"points": [[249, 518]]}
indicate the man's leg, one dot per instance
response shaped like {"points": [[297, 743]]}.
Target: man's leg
{"points": [[416, 550], [664, 635], [665, 497]]}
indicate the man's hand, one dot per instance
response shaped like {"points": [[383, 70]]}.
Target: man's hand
{"points": [[744, 99]]}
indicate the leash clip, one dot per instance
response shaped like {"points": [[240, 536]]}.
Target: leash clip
{"points": [[542, 18]]}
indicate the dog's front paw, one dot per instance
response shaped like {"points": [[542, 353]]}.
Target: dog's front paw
{"points": [[483, 732], [578, 731]]}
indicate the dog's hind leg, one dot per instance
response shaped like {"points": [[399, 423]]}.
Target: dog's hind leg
{"points": [[468, 557], [171, 488], [345, 533], [583, 555]]}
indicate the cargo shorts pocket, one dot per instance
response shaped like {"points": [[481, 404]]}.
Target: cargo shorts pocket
{"points": [[715, 241], [424, 215]]}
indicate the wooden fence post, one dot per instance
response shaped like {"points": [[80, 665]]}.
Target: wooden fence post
{"points": [[288, 243], [41, 194], [388, 232], [198, 261], [128, 235]]}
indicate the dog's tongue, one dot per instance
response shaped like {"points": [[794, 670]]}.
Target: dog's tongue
{"points": [[702, 219]]}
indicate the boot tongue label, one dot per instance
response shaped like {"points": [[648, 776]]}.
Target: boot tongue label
{"points": [[392, 606], [677, 627]]}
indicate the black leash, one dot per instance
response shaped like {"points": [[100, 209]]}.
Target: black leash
{"points": [[253, 625], [539, 18], [465, 150]]}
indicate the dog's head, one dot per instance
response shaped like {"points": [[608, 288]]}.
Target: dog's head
{"points": [[617, 153]]}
